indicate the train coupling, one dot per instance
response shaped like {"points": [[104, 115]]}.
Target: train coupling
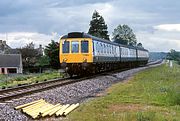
{"points": [[84, 65], [64, 65]]}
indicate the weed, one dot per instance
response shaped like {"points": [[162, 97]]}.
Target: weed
{"points": [[144, 116], [151, 95]]}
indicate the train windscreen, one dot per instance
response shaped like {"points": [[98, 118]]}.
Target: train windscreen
{"points": [[75, 47], [65, 47]]}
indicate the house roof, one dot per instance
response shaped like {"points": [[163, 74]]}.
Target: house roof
{"points": [[10, 60], [12, 51]]}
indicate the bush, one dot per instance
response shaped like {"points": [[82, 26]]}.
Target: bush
{"points": [[179, 62]]}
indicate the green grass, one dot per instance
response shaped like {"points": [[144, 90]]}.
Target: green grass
{"points": [[24, 79], [151, 95]]}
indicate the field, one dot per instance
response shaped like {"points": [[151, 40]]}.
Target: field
{"points": [[151, 95], [8, 81]]}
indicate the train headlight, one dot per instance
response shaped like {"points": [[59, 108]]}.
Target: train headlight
{"points": [[64, 60], [84, 60]]}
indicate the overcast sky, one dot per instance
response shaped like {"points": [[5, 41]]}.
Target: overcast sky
{"points": [[156, 23]]}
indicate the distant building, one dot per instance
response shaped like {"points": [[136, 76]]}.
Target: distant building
{"points": [[3, 47], [12, 51], [10, 63], [40, 50], [6, 49]]}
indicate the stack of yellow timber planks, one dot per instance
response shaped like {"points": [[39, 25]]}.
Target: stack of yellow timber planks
{"points": [[40, 108]]}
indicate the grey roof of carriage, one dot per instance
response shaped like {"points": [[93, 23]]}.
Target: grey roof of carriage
{"points": [[10, 60], [85, 35]]}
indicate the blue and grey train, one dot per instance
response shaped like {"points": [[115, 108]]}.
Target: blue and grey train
{"points": [[81, 52]]}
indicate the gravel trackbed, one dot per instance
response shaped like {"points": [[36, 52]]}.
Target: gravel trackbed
{"points": [[73, 93]]}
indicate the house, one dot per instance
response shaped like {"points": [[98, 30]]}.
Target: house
{"points": [[11, 59], [10, 63]]}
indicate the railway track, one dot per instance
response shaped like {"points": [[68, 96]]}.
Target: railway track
{"points": [[7, 94], [154, 62], [16, 92]]}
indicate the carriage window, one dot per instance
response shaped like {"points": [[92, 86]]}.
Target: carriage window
{"points": [[98, 47], [101, 47], [110, 49], [84, 46], [104, 48], [65, 47], [75, 47]]}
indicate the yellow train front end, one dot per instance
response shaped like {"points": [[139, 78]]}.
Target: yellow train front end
{"points": [[75, 53]]}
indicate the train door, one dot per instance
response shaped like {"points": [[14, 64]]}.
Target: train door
{"points": [[120, 53], [136, 54], [128, 54]]}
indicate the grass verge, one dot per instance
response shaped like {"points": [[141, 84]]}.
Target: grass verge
{"points": [[151, 95], [7, 81]]}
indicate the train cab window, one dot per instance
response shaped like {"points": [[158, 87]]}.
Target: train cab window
{"points": [[75, 47], [84, 46], [65, 47]]}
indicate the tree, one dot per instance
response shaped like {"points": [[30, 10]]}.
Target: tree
{"points": [[123, 34], [43, 61], [174, 55], [52, 52], [29, 54], [98, 27]]}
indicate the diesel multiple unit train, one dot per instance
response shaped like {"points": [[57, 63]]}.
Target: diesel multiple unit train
{"points": [[82, 53]]}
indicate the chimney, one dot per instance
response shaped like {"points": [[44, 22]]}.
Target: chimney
{"points": [[40, 49], [40, 46], [4, 42]]}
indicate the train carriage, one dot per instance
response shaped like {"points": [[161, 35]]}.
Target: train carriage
{"points": [[82, 53], [142, 56], [105, 51]]}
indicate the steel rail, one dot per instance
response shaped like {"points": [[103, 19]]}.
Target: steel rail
{"points": [[11, 93]]}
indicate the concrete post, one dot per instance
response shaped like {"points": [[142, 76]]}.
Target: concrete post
{"points": [[0, 71], [5, 71], [171, 64], [17, 70]]}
